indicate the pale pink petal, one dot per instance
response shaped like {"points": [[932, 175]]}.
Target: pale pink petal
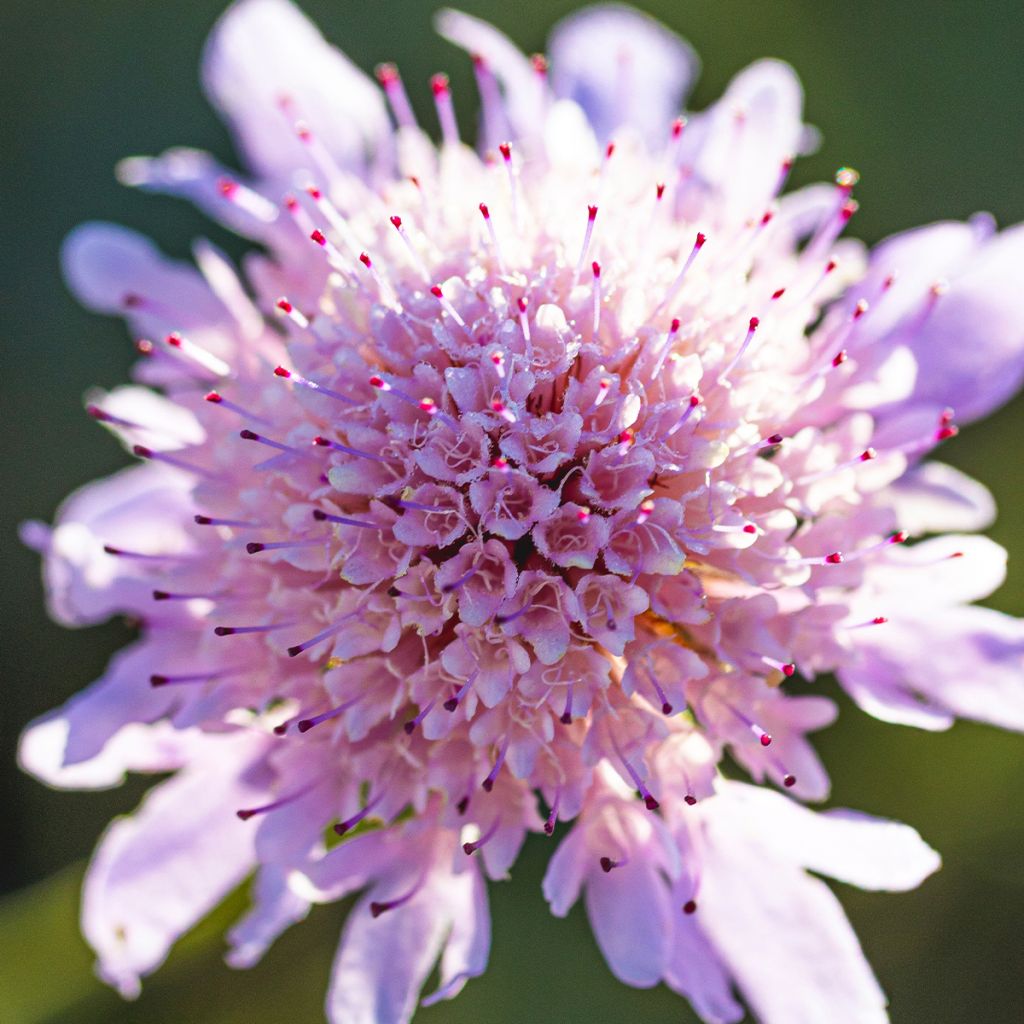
{"points": [[631, 914], [196, 176], [623, 68], [565, 873], [979, 274], [936, 498], [114, 270], [133, 748], [696, 971], [156, 873], [383, 962], [266, 66], [871, 853], [139, 509], [469, 942], [967, 662], [276, 907], [523, 91], [80, 744], [756, 126], [782, 934]]}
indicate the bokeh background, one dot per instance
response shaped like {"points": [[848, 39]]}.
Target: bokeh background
{"points": [[924, 99]]}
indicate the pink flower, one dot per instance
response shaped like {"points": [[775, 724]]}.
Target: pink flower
{"points": [[507, 490]]}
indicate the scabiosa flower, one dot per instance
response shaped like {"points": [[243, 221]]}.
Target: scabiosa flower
{"points": [[503, 491]]}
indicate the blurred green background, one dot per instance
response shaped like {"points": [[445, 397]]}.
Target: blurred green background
{"points": [[924, 99]]}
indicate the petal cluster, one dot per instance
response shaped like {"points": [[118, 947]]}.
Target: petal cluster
{"points": [[503, 491]]}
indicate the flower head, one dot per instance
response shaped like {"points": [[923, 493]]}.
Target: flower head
{"points": [[503, 492]]}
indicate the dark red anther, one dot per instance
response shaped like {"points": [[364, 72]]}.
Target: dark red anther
{"points": [[879, 620], [439, 85], [213, 396], [650, 803], [789, 669], [836, 558], [436, 291], [899, 537], [596, 268], [750, 528], [674, 326], [839, 358], [505, 150], [789, 781], [142, 451], [945, 433], [701, 239], [173, 339], [223, 631], [607, 864], [775, 439], [284, 305], [755, 322], [766, 740], [253, 547], [592, 213], [778, 293], [365, 260], [318, 236], [659, 189], [396, 221], [690, 799], [868, 454], [690, 907]]}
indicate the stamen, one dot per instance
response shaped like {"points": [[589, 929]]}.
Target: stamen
{"points": [[323, 634], [251, 812], [305, 724], [216, 398], [290, 312], [349, 823], [245, 630], [324, 442], [752, 326], [450, 309], [485, 212], [506, 155], [251, 435], [488, 783], [471, 848], [678, 283], [377, 908], [445, 109], [394, 90], [201, 520], [172, 460], [410, 726], [587, 235], [312, 385], [198, 355], [329, 517], [549, 825]]}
